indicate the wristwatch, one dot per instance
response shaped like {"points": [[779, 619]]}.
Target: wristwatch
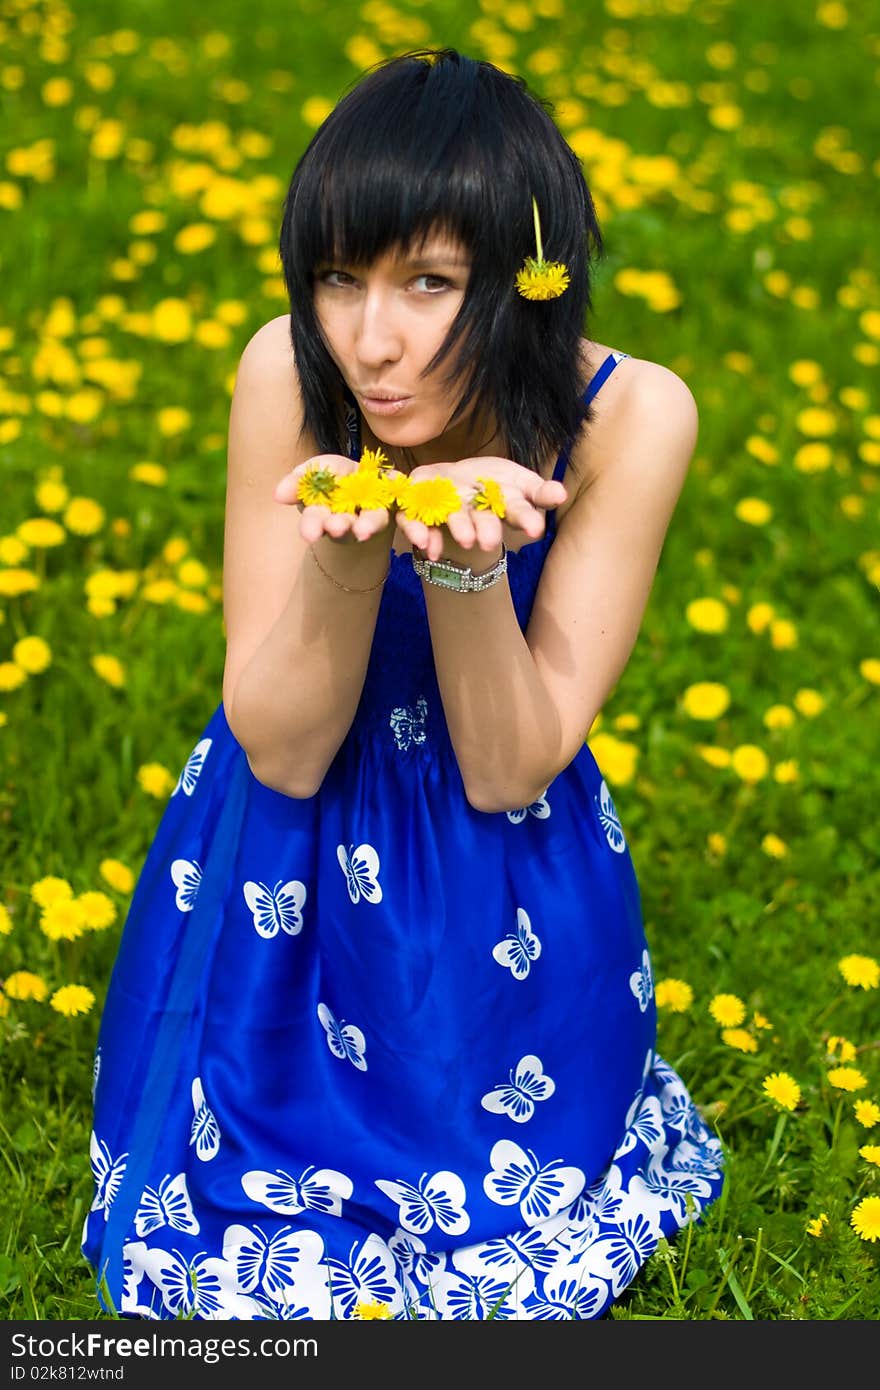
{"points": [[446, 574]]}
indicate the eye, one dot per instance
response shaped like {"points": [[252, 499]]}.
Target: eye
{"points": [[438, 280], [324, 276]]}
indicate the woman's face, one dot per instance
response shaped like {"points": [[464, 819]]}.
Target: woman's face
{"points": [[383, 323]]}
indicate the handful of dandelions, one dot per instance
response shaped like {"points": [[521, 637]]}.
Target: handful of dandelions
{"points": [[375, 484]]}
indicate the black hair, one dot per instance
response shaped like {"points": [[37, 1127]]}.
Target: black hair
{"points": [[432, 140]]}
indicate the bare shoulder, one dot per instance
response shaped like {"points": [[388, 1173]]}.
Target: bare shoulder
{"points": [[640, 404]]}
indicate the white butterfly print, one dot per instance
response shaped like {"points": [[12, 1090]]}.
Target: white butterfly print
{"points": [[540, 809], [343, 1039], [107, 1172], [437, 1199], [205, 1131], [204, 1288], [276, 907], [569, 1293], [519, 948], [361, 867], [96, 1071], [369, 1277], [271, 1263], [517, 1097], [169, 1206], [618, 1255], [322, 1189], [609, 820], [408, 724], [192, 767], [540, 1191], [641, 982], [186, 875]]}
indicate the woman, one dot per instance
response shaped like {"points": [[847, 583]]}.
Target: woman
{"points": [[380, 1034]]}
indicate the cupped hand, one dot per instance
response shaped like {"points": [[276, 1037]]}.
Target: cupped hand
{"points": [[527, 498], [317, 519]]}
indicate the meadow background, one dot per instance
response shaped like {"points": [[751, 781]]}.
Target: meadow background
{"points": [[733, 154]]}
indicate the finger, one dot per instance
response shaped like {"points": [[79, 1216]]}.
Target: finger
{"points": [[461, 527], [523, 516], [549, 493], [312, 522], [368, 523], [416, 532], [488, 528], [285, 489], [338, 523]]}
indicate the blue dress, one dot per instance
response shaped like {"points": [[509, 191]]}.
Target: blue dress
{"points": [[376, 1046]]}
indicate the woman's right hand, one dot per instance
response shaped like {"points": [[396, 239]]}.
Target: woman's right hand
{"points": [[319, 520]]}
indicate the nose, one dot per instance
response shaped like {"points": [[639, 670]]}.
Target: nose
{"points": [[379, 337]]}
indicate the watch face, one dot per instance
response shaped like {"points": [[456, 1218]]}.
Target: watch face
{"points": [[450, 579]]}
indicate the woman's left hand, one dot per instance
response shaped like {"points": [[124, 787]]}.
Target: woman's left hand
{"points": [[527, 497]]}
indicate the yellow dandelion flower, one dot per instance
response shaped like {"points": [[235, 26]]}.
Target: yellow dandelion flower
{"points": [[816, 421], [759, 617], [870, 1153], [369, 1311], [707, 615], [727, 1010], [809, 703], [63, 921], [705, 700], [816, 1226], [361, 491], [12, 677], [773, 846], [847, 1079], [373, 459], [50, 495], [316, 486], [782, 1089], [540, 279], [84, 516], [870, 669], [862, 972], [12, 550], [98, 911], [674, 995], [753, 510], [760, 1021], [17, 581], [155, 779], [51, 889], [154, 474], [841, 1048], [713, 755], [117, 874], [41, 532], [72, 999], [865, 1219], [740, 1038], [23, 984], [109, 668], [5, 920], [489, 496], [32, 654], [430, 500], [749, 762], [867, 1113]]}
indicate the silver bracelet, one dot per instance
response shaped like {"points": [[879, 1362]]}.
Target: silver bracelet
{"points": [[446, 574]]}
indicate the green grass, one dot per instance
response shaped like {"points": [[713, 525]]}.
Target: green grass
{"points": [[727, 917]]}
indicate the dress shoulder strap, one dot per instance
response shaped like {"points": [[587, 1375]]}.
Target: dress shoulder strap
{"points": [[597, 381]]}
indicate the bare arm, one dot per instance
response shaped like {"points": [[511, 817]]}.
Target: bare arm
{"points": [[297, 646]]}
